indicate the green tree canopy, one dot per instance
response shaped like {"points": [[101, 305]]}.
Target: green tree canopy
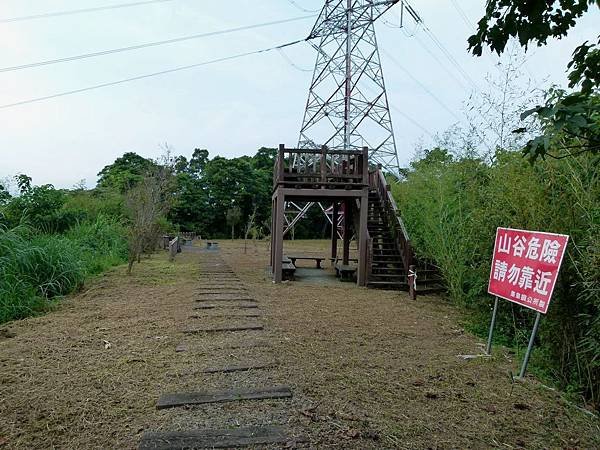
{"points": [[125, 172], [570, 121]]}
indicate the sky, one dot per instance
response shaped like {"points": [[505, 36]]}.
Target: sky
{"points": [[232, 108]]}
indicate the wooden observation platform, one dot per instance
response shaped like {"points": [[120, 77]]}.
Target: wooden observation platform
{"points": [[344, 180]]}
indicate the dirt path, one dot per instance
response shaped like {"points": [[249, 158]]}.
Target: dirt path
{"points": [[367, 369]]}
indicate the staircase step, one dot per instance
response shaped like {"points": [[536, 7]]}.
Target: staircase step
{"points": [[391, 284]]}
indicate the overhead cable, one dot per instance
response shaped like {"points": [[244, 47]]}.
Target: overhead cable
{"points": [[417, 81], [301, 8], [79, 11], [149, 75], [151, 44]]}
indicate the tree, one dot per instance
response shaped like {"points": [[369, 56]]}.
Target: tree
{"points": [[147, 203], [570, 121], [234, 215], [23, 183], [250, 228], [125, 172], [4, 195], [198, 161], [42, 206]]}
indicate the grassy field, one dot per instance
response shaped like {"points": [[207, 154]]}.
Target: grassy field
{"points": [[369, 369]]}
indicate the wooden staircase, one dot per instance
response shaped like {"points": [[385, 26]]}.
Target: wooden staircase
{"points": [[390, 251]]}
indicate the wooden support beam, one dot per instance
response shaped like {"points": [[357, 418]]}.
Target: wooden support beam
{"points": [[347, 233], [362, 240], [278, 255], [334, 230]]}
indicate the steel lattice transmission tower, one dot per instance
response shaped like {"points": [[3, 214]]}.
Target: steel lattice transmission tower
{"points": [[347, 106]]}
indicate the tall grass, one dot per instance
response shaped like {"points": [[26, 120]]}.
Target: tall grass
{"points": [[36, 268], [452, 206]]}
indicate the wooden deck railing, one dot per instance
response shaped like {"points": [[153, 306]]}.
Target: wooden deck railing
{"points": [[321, 168], [401, 239]]}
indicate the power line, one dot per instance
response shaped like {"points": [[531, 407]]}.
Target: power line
{"points": [[150, 44], [154, 74], [439, 45], [291, 62], [301, 8], [450, 58], [406, 116], [416, 80], [442, 65], [79, 11], [462, 14]]}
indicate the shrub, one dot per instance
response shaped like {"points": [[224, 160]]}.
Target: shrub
{"points": [[35, 268], [452, 206]]}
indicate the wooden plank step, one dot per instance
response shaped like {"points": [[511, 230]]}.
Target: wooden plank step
{"points": [[223, 292], [226, 305], [226, 438], [232, 395], [231, 314], [224, 328], [226, 299], [185, 346], [239, 367]]}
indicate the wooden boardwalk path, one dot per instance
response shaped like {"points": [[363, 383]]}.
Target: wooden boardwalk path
{"points": [[223, 307]]}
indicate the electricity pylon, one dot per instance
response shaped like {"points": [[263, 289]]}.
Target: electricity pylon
{"points": [[347, 106]]}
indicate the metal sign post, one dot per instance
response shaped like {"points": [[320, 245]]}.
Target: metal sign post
{"points": [[488, 349], [536, 325], [524, 270]]}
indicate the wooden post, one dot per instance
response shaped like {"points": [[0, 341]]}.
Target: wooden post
{"points": [[365, 165], [278, 255], [280, 165], [334, 231], [273, 234], [347, 221], [362, 239]]}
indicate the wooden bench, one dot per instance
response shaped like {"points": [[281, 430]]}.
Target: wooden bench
{"points": [[288, 271], [345, 272], [317, 259]]}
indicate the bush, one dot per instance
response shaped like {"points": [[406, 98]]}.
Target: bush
{"points": [[35, 268], [452, 207]]}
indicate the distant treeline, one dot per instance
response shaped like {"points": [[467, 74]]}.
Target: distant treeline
{"points": [[52, 239]]}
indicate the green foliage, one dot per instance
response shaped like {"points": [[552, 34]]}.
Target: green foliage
{"points": [[101, 244], [452, 206], [574, 115], [36, 268], [23, 182], [530, 21], [42, 208], [570, 123], [210, 188], [125, 172], [4, 195]]}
